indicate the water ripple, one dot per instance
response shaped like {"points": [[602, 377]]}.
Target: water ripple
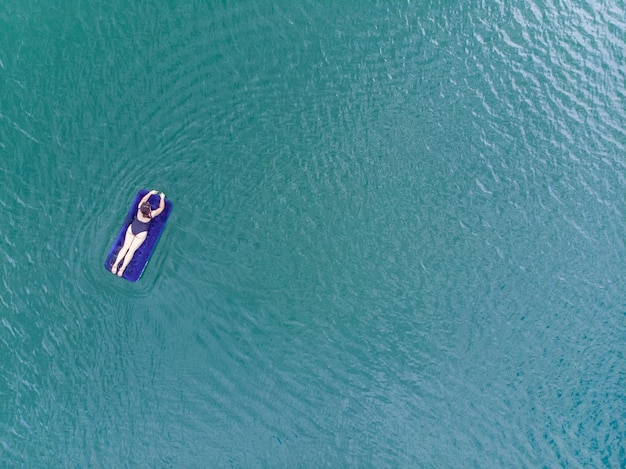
{"points": [[397, 231]]}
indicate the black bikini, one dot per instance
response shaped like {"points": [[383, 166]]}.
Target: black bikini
{"points": [[139, 226]]}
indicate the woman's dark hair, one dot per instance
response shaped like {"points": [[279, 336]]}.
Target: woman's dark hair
{"points": [[145, 209]]}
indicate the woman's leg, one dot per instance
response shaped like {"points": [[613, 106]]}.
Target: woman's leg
{"points": [[134, 245], [120, 255]]}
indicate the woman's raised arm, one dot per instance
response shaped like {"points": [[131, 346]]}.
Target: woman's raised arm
{"points": [[158, 211], [146, 197]]}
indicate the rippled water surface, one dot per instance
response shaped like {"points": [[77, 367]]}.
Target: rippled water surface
{"points": [[397, 236]]}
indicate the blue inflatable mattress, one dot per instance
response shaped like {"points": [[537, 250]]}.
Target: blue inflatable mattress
{"points": [[139, 261]]}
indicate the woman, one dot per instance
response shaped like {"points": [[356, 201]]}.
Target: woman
{"points": [[137, 232]]}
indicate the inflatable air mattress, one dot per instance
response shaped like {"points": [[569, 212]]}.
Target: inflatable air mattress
{"points": [[139, 261]]}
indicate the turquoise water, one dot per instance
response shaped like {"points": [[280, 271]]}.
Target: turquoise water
{"points": [[397, 236]]}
